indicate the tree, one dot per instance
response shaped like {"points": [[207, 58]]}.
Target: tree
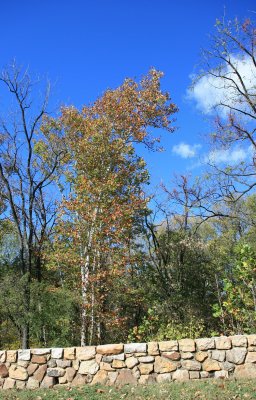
{"points": [[107, 200], [29, 160], [229, 74]]}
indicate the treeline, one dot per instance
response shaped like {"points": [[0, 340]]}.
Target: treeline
{"points": [[87, 255]]}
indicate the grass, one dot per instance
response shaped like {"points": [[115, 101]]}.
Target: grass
{"points": [[194, 390]]}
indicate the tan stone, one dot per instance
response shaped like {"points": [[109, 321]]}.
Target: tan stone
{"points": [[9, 383], [52, 363], [131, 362], [191, 365], [170, 345], [37, 359], [20, 385], [2, 356], [79, 380], [223, 343], [40, 373], [201, 356], [98, 358], [70, 373], [251, 341], [161, 378], [205, 344], [63, 379], [48, 382], [40, 352], [125, 377], [180, 375], [85, 353], [194, 375], [3, 371], [75, 364], [108, 349], [19, 373], [147, 379], [32, 368], [112, 377], [163, 365], [118, 364], [251, 357], [210, 365], [187, 345], [204, 374], [101, 377], [24, 364], [172, 355], [245, 371], [146, 359], [11, 356], [187, 355], [88, 367], [153, 349], [239, 340], [32, 383], [136, 372], [146, 369], [106, 366], [69, 353]]}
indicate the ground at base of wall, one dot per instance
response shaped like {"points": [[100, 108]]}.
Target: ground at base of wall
{"points": [[193, 390]]}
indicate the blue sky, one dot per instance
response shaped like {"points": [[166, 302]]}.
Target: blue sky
{"points": [[85, 47]]}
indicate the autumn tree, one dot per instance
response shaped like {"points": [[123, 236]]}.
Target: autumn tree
{"points": [[28, 162], [107, 199]]}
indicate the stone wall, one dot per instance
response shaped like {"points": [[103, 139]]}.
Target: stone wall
{"points": [[118, 364]]}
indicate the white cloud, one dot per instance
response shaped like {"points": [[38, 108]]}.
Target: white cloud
{"points": [[185, 150], [210, 91], [229, 156]]}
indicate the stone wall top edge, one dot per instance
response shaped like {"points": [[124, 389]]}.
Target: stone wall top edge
{"points": [[138, 346]]}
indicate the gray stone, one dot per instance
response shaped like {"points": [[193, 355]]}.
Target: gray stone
{"points": [[109, 359], [88, 367], [63, 363], [147, 359], [205, 344], [24, 355], [135, 348], [239, 340], [191, 365], [40, 352], [236, 355], [245, 371], [218, 355], [57, 352], [32, 383], [161, 378], [180, 375], [223, 343], [221, 374], [55, 372]]}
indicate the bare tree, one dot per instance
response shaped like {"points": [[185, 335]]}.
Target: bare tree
{"points": [[229, 74], [29, 161]]}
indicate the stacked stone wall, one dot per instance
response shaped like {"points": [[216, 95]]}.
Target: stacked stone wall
{"points": [[133, 363]]}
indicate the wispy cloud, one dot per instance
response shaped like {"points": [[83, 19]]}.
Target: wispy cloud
{"points": [[228, 156], [185, 150], [211, 91]]}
